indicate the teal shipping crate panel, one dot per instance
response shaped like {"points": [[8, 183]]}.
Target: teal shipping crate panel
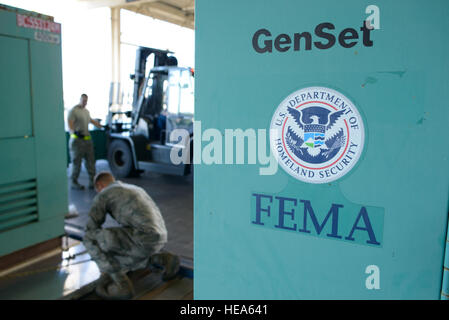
{"points": [[351, 98], [33, 182]]}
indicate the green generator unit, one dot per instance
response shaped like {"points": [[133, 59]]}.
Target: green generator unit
{"points": [[33, 179]]}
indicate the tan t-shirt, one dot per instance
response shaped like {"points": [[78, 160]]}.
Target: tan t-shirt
{"points": [[81, 119]]}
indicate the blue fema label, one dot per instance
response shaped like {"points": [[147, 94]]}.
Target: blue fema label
{"points": [[317, 135]]}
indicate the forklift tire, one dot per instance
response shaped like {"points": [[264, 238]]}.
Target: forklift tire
{"points": [[120, 159]]}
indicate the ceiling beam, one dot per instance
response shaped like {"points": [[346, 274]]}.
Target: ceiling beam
{"points": [[189, 7], [92, 4], [153, 8], [136, 3], [166, 13]]}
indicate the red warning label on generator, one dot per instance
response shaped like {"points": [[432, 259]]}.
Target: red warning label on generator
{"points": [[39, 24]]}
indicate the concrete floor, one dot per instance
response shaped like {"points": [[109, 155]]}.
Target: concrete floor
{"points": [[52, 277], [173, 195], [72, 275]]}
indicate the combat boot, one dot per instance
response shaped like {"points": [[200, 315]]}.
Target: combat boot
{"points": [[169, 262], [104, 280], [120, 288], [76, 185]]}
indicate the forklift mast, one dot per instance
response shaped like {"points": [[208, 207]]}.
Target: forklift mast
{"points": [[161, 58]]}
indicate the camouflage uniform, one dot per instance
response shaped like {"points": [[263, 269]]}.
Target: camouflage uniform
{"points": [[142, 232], [79, 147]]}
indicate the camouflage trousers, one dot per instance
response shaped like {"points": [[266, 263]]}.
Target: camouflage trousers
{"points": [[82, 149], [120, 249]]}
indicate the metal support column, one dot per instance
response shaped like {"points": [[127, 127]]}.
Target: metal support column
{"points": [[114, 95]]}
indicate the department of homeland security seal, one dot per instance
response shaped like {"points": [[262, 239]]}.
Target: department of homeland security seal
{"points": [[317, 135]]}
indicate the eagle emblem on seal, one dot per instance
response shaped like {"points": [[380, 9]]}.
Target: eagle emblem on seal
{"points": [[317, 134]]}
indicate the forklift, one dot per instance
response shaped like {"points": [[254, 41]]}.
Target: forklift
{"points": [[162, 101]]}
